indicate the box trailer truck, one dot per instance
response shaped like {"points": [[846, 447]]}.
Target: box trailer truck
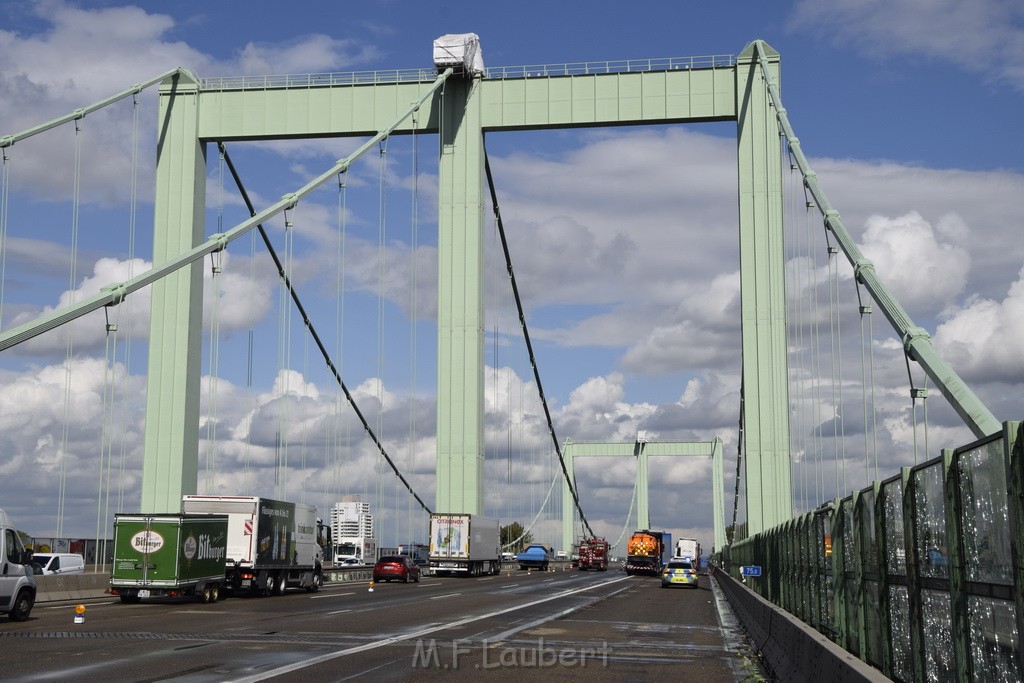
{"points": [[464, 544], [271, 544], [169, 555]]}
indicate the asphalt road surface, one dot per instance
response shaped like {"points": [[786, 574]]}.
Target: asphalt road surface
{"points": [[578, 626]]}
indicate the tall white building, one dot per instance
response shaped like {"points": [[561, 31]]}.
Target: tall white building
{"points": [[351, 518], [352, 529]]}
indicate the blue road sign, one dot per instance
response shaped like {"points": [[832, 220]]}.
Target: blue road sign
{"points": [[750, 570]]}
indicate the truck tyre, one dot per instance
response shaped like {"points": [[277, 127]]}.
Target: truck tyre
{"points": [[127, 599], [22, 606], [317, 582], [268, 585], [206, 596], [281, 583], [214, 593]]}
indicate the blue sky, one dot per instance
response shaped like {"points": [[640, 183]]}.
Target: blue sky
{"points": [[907, 109]]}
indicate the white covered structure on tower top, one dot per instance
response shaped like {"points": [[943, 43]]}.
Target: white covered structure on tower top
{"points": [[461, 51]]}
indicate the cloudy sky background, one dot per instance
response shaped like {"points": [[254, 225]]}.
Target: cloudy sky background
{"points": [[623, 240]]}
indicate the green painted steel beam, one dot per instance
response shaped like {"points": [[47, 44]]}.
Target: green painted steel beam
{"points": [[762, 294], [8, 140], [718, 492], [618, 99], [460, 308], [582, 100], [615, 449], [171, 446], [916, 341]]}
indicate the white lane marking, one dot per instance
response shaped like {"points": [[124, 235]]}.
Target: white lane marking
{"points": [[332, 595], [340, 611], [313, 661], [557, 615], [446, 595]]}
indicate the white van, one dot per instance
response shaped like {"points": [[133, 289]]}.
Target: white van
{"points": [[17, 585], [58, 563]]}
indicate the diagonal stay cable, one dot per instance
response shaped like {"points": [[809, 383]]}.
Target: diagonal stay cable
{"points": [[312, 329], [916, 341], [529, 345], [113, 294]]}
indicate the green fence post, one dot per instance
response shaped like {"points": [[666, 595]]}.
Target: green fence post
{"points": [[1013, 438], [913, 577], [957, 596]]}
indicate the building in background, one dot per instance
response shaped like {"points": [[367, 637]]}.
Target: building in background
{"points": [[352, 531]]}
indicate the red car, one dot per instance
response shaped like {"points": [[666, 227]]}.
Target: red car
{"points": [[396, 567]]}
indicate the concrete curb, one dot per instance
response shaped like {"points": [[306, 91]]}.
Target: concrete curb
{"points": [[793, 650], [92, 586]]}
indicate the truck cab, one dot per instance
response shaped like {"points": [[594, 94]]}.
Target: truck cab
{"points": [[17, 583]]}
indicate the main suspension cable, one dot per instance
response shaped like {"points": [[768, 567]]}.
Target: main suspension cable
{"points": [[529, 345]]}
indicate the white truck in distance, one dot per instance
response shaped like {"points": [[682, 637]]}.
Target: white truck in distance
{"points": [[360, 549], [271, 544], [688, 549], [464, 544]]}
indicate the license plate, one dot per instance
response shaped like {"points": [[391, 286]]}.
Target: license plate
{"points": [[246, 583], [143, 593]]}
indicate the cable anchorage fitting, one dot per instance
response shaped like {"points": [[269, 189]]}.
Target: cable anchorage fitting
{"points": [[292, 200], [118, 292], [912, 335], [220, 239], [862, 266]]}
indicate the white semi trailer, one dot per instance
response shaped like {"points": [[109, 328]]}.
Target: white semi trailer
{"points": [[464, 544], [271, 544]]}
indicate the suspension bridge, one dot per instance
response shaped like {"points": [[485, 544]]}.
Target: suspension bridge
{"points": [[917, 572]]}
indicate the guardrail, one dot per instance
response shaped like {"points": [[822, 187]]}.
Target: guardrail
{"points": [[500, 73], [793, 650], [919, 575], [91, 586]]}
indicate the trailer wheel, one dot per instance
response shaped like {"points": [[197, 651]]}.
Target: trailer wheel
{"points": [[317, 584], [207, 595], [214, 593], [281, 584], [268, 585], [22, 606]]}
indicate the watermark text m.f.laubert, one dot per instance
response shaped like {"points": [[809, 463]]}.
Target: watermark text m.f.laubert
{"points": [[539, 655]]}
